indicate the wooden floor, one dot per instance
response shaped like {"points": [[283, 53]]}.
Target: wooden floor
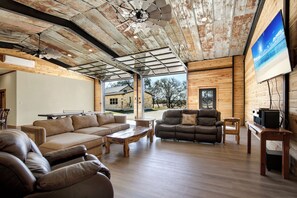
{"points": [[186, 169]]}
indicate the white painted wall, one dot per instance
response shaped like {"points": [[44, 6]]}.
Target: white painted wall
{"points": [[8, 82], [39, 94]]}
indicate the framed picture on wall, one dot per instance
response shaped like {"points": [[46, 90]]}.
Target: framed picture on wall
{"points": [[207, 98]]}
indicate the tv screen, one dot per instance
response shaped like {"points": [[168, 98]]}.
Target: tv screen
{"points": [[270, 51]]}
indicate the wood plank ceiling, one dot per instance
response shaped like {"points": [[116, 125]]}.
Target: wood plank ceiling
{"points": [[199, 29]]}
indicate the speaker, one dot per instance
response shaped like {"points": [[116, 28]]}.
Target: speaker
{"points": [[270, 118]]}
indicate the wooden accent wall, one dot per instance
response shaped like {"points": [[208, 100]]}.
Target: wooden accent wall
{"points": [[218, 73], [257, 95], [239, 87], [293, 83], [98, 96], [41, 66]]}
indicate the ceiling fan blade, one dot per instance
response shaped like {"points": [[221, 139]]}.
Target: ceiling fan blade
{"points": [[155, 14], [152, 8], [160, 3], [166, 9], [166, 17], [146, 4], [137, 4]]}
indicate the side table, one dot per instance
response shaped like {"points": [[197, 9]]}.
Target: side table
{"points": [[147, 122]]}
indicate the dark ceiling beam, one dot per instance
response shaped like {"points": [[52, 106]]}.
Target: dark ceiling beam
{"points": [[28, 11]]}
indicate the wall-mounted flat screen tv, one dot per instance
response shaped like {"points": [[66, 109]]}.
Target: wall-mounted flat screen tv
{"points": [[270, 51]]}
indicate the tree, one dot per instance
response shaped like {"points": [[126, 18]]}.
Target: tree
{"points": [[172, 90], [121, 83]]}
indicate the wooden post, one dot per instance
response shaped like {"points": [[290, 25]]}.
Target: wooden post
{"points": [[99, 95], [138, 97]]}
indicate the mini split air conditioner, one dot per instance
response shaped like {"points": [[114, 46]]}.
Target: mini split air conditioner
{"points": [[18, 61]]}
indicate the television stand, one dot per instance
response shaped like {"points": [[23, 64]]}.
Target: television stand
{"points": [[265, 134]]}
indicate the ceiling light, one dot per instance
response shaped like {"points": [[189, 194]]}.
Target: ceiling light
{"points": [[204, 19], [69, 55], [90, 50], [135, 37]]}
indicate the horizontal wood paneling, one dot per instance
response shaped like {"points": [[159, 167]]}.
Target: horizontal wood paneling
{"points": [[41, 67], [219, 79], [210, 64]]}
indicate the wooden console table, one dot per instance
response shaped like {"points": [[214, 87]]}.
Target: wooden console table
{"points": [[265, 134]]}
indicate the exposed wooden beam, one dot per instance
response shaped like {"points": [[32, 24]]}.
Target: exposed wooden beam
{"points": [[28, 11]]}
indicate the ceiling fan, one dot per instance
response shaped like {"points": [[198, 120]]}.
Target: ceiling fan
{"points": [[144, 14], [47, 53]]}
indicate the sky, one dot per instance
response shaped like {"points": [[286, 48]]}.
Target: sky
{"points": [[179, 77]]}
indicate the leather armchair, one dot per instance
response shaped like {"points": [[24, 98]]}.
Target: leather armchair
{"points": [[69, 172]]}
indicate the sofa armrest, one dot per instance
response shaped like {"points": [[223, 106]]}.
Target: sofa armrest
{"points": [[120, 118], [38, 134], [219, 123], [159, 122], [67, 176], [60, 156]]}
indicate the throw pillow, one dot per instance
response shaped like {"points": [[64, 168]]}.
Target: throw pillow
{"points": [[189, 119], [105, 118]]}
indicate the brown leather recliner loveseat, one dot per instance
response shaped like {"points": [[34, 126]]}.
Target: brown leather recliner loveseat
{"points": [[205, 126], [69, 172]]}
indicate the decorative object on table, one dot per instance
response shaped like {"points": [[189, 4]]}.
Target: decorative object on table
{"points": [[143, 15]]}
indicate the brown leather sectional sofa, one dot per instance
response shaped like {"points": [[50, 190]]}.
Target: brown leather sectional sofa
{"points": [[207, 126], [88, 130]]}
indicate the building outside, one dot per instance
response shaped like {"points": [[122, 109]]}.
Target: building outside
{"points": [[122, 98]]}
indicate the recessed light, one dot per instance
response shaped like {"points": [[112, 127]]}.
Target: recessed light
{"points": [[204, 19], [90, 50], [69, 55], [135, 37]]}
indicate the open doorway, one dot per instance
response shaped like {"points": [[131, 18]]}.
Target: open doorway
{"points": [[119, 98], [2, 98], [164, 92]]}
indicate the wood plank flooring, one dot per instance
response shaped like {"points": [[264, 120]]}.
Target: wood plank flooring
{"points": [[186, 169]]}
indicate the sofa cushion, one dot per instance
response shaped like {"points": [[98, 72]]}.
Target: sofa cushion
{"points": [[206, 129], [172, 117], [57, 126], [105, 118], [115, 127], [212, 113], [189, 119], [185, 128], [66, 140], [15, 142], [166, 127], [80, 122], [102, 131], [37, 164], [190, 111], [207, 121]]}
